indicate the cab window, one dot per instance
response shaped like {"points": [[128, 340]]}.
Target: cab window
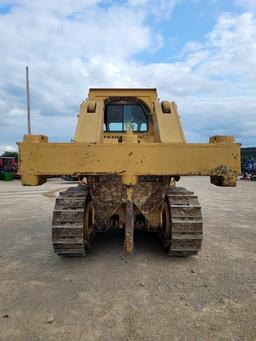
{"points": [[121, 116]]}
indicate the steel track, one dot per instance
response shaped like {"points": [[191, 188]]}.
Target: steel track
{"points": [[186, 224], [183, 212], [68, 235]]}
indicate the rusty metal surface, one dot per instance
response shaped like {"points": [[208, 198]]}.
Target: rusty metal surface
{"points": [[129, 228], [107, 197], [149, 198]]}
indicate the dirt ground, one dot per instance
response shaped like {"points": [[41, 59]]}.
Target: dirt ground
{"points": [[147, 296]]}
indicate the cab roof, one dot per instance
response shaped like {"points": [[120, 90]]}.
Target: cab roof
{"points": [[102, 93]]}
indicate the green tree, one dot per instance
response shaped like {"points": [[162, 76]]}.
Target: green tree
{"points": [[11, 154]]}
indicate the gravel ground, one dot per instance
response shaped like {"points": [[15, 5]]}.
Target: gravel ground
{"points": [[147, 296]]}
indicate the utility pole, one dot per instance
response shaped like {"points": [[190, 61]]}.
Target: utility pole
{"points": [[28, 100]]}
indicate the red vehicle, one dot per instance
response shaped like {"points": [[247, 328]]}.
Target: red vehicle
{"points": [[9, 164]]}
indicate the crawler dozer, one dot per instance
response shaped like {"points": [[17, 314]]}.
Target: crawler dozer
{"points": [[130, 150]]}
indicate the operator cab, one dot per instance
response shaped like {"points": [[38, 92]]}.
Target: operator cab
{"points": [[122, 115]]}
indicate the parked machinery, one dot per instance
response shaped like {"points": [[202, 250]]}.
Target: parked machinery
{"points": [[130, 148], [8, 164]]}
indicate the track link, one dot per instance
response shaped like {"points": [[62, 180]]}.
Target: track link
{"points": [[68, 234], [185, 223]]}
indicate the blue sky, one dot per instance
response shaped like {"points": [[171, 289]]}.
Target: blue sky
{"points": [[201, 54], [190, 20]]}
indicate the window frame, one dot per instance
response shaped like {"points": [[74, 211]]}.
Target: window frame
{"points": [[132, 103]]}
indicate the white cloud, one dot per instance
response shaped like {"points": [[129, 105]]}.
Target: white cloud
{"points": [[247, 4], [17, 112], [76, 46], [214, 84], [6, 148], [65, 45]]}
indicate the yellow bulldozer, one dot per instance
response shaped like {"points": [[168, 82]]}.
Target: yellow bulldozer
{"points": [[130, 150]]}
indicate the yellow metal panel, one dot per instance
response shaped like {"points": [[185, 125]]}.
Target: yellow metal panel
{"points": [[160, 151], [35, 138], [148, 96], [90, 125], [137, 159], [95, 93], [167, 126]]}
